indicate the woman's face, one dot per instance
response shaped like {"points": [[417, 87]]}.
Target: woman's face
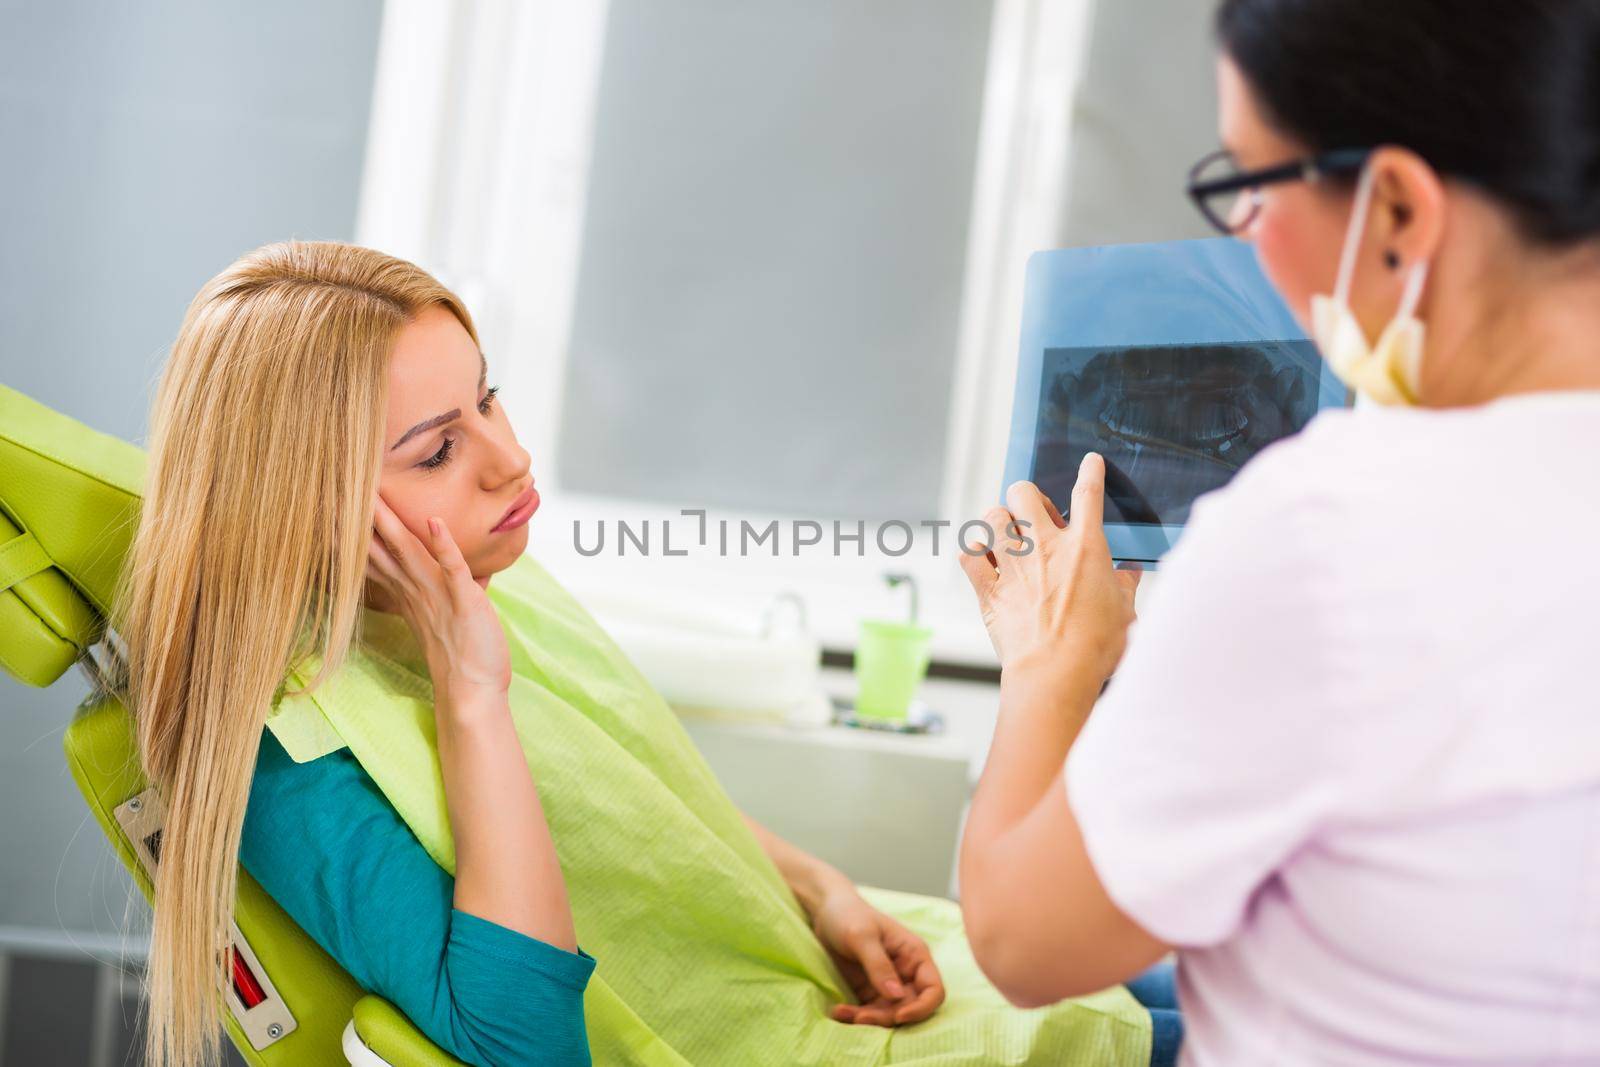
{"points": [[463, 464], [1301, 226]]}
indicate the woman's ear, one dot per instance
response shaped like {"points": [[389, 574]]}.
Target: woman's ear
{"points": [[1408, 206]]}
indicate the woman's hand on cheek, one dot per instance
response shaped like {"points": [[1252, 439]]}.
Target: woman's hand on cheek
{"points": [[1049, 587], [889, 968], [452, 616]]}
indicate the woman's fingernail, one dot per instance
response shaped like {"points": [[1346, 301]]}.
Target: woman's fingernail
{"points": [[433, 526]]}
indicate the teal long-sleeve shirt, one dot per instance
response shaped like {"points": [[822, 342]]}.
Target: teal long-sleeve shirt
{"points": [[325, 843]]}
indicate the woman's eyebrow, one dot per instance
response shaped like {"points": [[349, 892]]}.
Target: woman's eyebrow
{"points": [[449, 416]]}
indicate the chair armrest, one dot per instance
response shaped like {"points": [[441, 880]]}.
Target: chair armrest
{"points": [[379, 1030]]}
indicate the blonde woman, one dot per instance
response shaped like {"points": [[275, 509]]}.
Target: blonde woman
{"points": [[324, 441]]}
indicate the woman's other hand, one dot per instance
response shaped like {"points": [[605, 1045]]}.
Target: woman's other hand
{"points": [[889, 968], [1047, 587], [452, 616]]}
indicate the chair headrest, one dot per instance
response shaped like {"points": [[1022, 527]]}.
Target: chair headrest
{"points": [[69, 506]]}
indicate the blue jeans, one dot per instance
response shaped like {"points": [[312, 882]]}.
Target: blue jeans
{"points": [[1157, 990]]}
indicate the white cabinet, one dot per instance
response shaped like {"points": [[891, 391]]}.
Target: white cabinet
{"points": [[884, 808]]}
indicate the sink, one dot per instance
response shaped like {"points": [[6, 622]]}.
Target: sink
{"points": [[722, 663]]}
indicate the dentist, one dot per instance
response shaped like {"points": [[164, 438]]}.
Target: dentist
{"points": [[1349, 767]]}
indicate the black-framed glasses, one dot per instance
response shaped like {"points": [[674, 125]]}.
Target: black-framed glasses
{"points": [[1230, 198]]}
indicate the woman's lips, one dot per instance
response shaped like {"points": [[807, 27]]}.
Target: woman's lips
{"points": [[521, 511]]}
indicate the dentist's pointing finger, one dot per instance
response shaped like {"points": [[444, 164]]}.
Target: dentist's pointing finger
{"points": [[1088, 496]]}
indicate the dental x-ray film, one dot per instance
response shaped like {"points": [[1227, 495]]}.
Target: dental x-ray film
{"points": [[1175, 361]]}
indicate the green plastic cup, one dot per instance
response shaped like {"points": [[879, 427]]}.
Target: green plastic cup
{"points": [[891, 659]]}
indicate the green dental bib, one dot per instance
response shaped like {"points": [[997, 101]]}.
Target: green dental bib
{"points": [[705, 957]]}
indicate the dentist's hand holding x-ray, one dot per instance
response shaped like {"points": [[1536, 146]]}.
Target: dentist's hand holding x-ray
{"points": [[1058, 613], [1061, 600]]}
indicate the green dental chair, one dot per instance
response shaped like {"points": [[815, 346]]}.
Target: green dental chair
{"points": [[69, 500]]}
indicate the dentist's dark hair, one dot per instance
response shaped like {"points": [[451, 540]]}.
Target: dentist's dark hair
{"points": [[1503, 94]]}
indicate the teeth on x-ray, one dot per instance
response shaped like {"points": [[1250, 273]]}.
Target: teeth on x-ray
{"points": [[1172, 421], [1136, 422]]}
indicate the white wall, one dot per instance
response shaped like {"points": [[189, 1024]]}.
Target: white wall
{"points": [[146, 145]]}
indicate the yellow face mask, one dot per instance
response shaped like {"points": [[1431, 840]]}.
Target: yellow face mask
{"points": [[1386, 372]]}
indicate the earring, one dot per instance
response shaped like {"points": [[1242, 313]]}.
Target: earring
{"points": [[1391, 258]]}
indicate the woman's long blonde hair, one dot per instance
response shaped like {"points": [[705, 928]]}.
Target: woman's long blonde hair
{"points": [[266, 438]]}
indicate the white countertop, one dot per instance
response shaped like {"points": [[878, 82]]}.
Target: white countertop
{"points": [[969, 709]]}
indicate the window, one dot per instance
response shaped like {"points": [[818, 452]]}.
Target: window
{"points": [[761, 262]]}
